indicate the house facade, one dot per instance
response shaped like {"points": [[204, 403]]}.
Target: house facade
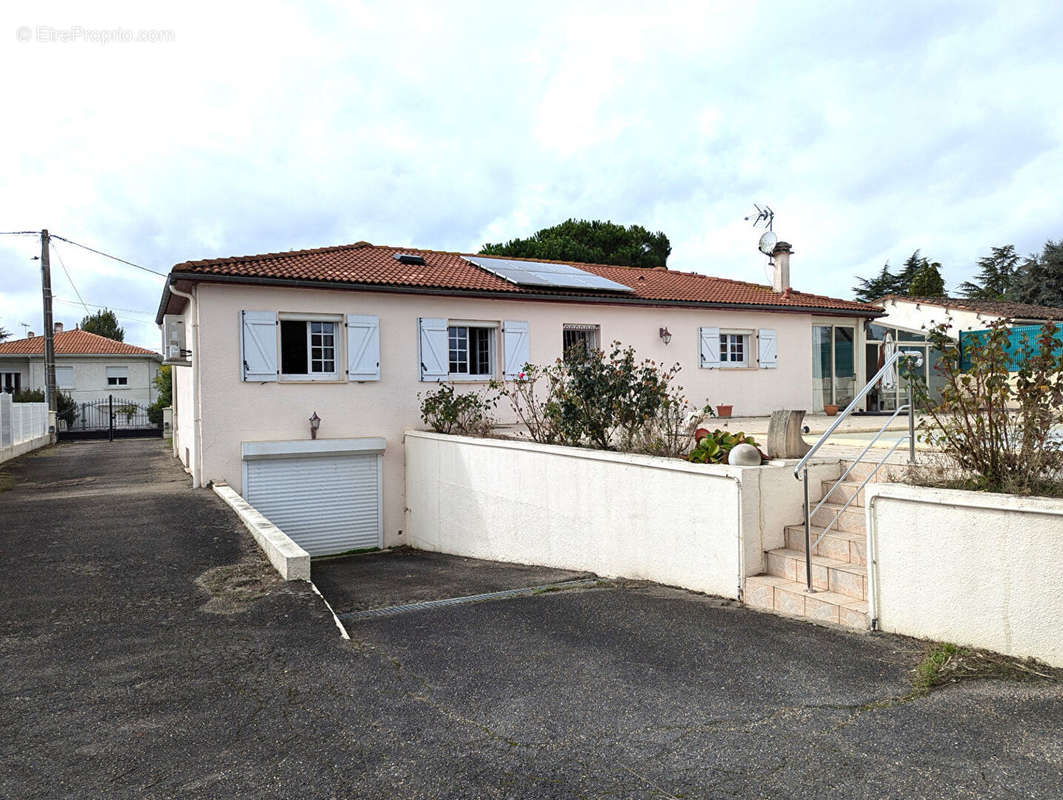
{"points": [[88, 367], [353, 334], [907, 320]]}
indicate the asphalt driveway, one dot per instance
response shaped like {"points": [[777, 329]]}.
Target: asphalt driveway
{"points": [[149, 651]]}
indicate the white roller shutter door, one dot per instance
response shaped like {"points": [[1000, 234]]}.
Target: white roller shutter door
{"points": [[326, 504]]}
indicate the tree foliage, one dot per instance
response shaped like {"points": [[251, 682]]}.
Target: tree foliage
{"points": [[104, 323], [1040, 279], [997, 274], [4, 333], [928, 282], [900, 283], [163, 381], [590, 242], [65, 407]]}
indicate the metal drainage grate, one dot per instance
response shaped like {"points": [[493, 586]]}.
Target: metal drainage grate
{"points": [[392, 611]]}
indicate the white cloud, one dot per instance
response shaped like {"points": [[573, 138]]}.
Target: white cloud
{"points": [[870, 133]]}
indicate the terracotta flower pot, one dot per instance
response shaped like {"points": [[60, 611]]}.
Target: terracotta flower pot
{"points": [[830, 411], [725, 411]]}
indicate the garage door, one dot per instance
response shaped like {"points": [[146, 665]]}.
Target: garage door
{"points": [[327, 503]]}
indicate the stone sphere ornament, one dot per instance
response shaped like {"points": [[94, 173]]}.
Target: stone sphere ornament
{"points": [[744, 455]]}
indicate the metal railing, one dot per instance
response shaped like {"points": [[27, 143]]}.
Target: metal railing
{"points": [[801, 470]]}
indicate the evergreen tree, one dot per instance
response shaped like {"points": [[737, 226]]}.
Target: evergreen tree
{"points": [[912, 266], [104, 323], [928, 282], [1040, 279], [590, 242], [870, 289], [997, 275], [4, 333]]}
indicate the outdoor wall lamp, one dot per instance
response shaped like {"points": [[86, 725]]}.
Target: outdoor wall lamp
{"points": [[315, 423], [666, 335]]}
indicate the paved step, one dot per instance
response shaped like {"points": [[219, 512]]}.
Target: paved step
{"points": [[847, 546], [845, 490], [828, 574], [782, 596], [851, 519], [864, 468]]}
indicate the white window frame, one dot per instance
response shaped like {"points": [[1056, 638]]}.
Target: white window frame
{"points": [[119, 380], [726, 345], [338, 352], [68, 369], [492, 350]]}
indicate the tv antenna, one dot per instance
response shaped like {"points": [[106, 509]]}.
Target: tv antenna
{"points": [[765, 215]]}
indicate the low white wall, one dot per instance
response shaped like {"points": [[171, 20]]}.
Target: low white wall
{"points": [[973, 568], [288, 558], [701, 527], [23, 427]]}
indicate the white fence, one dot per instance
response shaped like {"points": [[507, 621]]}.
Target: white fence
{"points": [[23, 427]]}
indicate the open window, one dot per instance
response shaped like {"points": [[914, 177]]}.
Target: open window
{"points": [[116, 376], [471, 351], [309, 349]]}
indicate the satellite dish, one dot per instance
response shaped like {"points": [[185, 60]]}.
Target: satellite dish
{"points": [[767, 242]]}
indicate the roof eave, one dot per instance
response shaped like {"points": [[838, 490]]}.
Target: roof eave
{"points": [[481, 293]]}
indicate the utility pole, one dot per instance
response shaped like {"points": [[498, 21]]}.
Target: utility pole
{"points": [[49, 327]]}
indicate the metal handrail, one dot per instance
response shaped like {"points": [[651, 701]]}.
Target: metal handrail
{"points": [[893, 359], [801, 469]]}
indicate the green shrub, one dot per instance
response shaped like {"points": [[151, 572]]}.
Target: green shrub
{"points": [[994, 428], [715, 447], [446, 411]]}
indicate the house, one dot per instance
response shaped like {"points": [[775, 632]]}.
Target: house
{"points": [[352, 334], [88, 367], [908, 319]]}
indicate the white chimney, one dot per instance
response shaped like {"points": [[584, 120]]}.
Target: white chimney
{"points": [[59, 327], [781, 256]]}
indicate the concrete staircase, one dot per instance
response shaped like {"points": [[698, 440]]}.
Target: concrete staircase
{"points": [[839, 562]]}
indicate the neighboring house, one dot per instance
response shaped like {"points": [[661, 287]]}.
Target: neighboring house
{"points": [[355, 333], [908, 320], [88, 367]]}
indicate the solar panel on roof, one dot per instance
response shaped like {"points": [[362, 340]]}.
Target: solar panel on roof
{"points": [[540, 273]]}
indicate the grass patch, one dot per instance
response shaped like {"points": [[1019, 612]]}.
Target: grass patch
{"points": [[945, 664]]}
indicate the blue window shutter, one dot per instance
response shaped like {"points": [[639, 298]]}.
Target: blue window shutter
{"points": [[258, 346], [363, 347], [433, 349]]}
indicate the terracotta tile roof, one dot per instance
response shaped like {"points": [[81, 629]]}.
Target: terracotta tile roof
{"points": [[366, 264], [73, 343], [1000, 308]]}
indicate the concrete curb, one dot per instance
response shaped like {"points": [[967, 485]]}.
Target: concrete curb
{"points": [[289, 559]]}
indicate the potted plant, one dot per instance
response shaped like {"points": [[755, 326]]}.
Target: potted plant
{"points": [[724, 411], [830, 410]]}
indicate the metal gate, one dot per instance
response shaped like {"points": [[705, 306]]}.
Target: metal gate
{"points": [[111, 418]]}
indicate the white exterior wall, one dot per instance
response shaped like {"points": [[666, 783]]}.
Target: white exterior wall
{"points": [[184, 440], [234, 411], [972, 568], [924, 316], [90, 378], [697, 526]]}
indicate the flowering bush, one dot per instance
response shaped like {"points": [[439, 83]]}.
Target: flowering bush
{"points": [[604, 400], [446, 411]]}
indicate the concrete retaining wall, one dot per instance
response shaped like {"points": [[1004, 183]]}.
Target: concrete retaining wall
{"points": [[972, 568], [288, 558], [701, 527]]}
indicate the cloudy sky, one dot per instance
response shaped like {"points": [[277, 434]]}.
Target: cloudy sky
{"points": [[871, 128]]}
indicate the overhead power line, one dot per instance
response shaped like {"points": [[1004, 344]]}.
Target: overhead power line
{"points": [[80, 302], [108, 255], [66, 272], [19, 233]]}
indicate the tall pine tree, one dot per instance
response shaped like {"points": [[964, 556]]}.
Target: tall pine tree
{"points": [[870, 289], [997, 275], [1040, 279]]}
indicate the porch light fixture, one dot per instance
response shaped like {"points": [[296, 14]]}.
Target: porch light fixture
{"points": [[315, 423], [666, 335]]}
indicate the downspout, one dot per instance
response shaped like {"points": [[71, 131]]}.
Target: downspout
{"points": [[197, 395]]}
